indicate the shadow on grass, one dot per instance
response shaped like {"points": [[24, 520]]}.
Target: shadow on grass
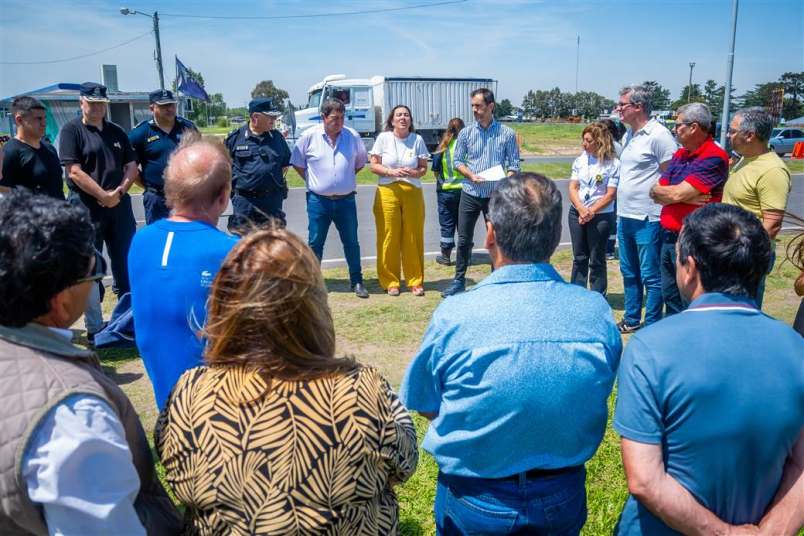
{"points": [[616, 300], [121, 378], [410, 527], [373, 286]]}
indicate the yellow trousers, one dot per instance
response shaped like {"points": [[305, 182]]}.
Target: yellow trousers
{"points": [[399, 216]]}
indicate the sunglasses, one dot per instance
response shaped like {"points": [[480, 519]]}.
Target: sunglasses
{"points": [[97, 271]]}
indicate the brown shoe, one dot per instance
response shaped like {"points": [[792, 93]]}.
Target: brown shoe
{"points": [[418, 290]]}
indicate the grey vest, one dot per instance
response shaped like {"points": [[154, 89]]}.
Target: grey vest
{"points": [[38, 370]]}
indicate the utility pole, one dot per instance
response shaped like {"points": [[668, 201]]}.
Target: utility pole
{"points": [[577, 62], [158, 52], [724, 117], [689, 88]]}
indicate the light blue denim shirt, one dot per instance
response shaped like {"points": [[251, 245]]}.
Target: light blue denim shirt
{"points": [[519, 370]]}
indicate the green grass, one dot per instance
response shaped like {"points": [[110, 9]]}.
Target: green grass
{"points": [[216, 131], [795, 166], [550, 138], [385, 332]]}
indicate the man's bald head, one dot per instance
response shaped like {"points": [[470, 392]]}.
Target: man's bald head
{"points": [[197, 174]]}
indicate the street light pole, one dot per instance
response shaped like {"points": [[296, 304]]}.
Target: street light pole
{"points": [[724, 117], [689, 87], [158, 54]]}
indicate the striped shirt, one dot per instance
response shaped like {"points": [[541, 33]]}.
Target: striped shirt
{"points": [[481, 148]]}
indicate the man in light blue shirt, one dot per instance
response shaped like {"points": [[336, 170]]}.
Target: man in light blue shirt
{"points": [[480, 147], [328, 157], [173, 261], [515, 375], [710, 400]]}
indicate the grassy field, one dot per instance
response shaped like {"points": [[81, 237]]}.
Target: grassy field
{"points": [[402, 321], [550, 138]]}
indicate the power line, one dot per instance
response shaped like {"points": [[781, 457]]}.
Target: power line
{"points": [[312, 15], [82, 56]]}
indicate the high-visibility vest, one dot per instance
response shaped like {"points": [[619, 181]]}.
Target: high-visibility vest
{"points": [[452, 179]]}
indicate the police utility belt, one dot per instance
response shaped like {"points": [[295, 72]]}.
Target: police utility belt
{"points": [[158, 190], [255, 194]]}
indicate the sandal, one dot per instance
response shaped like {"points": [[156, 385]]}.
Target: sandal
{"points": [[418, 290], [393, 291]]}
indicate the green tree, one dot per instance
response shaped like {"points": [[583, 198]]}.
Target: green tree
{"points": [[761, 95], [503, 108], [793, 105], [697, 96], [267, 89], [660, 97]]}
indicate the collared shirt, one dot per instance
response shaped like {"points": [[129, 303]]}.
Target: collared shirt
{"points": [[153, 146], [594, 179], [720, 387], [330, 170], [67, 463], [643, 152], [481, 148], [758, 184], [258, 161], [706, 169], [519, 370]]}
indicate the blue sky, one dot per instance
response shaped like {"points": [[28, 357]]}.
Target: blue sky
{"points": [[523, 44]]}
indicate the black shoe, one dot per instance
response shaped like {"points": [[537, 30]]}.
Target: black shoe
{"points": [[360, 290], [625, 328], [444, 257], [456, 287]]}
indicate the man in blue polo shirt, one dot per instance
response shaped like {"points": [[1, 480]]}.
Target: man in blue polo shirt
{"points": [[712, 429], [153, 142], [173, 262], [515, 375]]}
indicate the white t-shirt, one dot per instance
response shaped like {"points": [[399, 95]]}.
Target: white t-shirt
{"points": [[643, 152], [397, 153], [594, 178]]}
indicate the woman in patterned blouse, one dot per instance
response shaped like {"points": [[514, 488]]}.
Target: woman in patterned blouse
{"points": [[276, 435]]}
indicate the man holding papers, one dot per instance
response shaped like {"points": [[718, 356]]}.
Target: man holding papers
{"points": [[484, 153]]}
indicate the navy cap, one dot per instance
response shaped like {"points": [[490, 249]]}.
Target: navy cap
{"points": [[92, 91], [162, 96], [263, 106]]}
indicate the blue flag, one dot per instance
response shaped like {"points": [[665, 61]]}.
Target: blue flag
{"points": [[187, 85]]}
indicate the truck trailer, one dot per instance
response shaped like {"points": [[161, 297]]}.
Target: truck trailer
{"points": [[432, 101]]}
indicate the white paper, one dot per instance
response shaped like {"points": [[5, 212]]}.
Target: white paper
{"points": [[496, 173]]}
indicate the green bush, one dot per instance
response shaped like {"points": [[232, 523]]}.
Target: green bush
{"points": [[222, 122]]}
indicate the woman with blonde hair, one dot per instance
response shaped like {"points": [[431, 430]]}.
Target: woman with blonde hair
{"points": [[399, 158], [449, 183], [592, 190], [275, 434]]}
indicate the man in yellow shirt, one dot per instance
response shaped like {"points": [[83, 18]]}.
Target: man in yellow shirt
{"points": [[760, 181]]}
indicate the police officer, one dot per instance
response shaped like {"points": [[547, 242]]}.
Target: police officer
{"points": [[260, 156], [153, 141]]}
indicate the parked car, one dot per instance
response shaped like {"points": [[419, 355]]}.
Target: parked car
{"points": [[784, 139]]}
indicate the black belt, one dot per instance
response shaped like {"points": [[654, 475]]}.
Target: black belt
{"points": [[337, 196], [542, 473], [253, 193]]}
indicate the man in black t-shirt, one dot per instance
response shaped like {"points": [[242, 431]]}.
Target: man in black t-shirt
{"points": [[100, 167], [29, 160]]}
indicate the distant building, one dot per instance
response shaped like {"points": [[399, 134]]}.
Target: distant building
{"points": [[127, 108]]}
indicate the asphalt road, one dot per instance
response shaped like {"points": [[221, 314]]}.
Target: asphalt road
{"points": [[295, 208]]}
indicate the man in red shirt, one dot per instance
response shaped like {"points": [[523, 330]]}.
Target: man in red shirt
{"points": [[695, 176]]}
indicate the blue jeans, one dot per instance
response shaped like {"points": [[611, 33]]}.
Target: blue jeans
{"points": [[321, 212], [554, 505], [640, 246]]}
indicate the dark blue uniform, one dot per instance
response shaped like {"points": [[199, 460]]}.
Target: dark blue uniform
{"points": [[258, 184], [153, 147]]}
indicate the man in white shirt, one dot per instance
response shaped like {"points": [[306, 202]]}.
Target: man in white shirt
{"points": [[74, 458], [648, 148], [328, 157]]}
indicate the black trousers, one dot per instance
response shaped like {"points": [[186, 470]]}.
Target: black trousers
{"points": [[469, 209], [589, 250], [251, 212], [155, 206], [114, 227], [448, 204]]}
